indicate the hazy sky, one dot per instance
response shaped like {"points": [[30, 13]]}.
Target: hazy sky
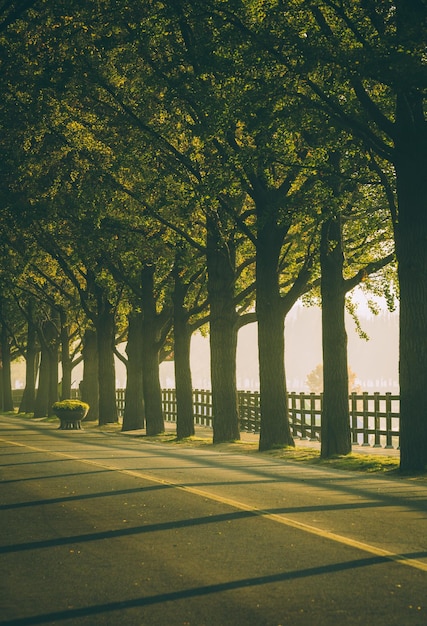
{"points": [[375, 362]]}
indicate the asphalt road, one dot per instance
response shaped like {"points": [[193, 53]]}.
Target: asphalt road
{"points": [[101, 529]]}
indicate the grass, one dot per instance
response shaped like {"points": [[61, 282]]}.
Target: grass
{"points": [[368, 463], [354, 462], [309, 456]]}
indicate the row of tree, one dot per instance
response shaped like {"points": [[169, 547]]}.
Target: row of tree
{"points": [[169, 165]]}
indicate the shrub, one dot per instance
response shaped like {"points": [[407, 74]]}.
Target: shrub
{"points": [[70, 405]]}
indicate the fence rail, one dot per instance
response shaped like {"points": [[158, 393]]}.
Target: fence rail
{"points": [[374, 418]]}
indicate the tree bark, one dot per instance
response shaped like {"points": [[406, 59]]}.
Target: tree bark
{"points": [[41, 406], [411, 253], [134, 413], [27, 404], [275, 429], [336, 433], [182, 343], [6, 371], [223, 334], [53, 354], [152, 389], [66, 361], [410, 161], [105, 334], [89, 387], [150, 355], [47, 392]]}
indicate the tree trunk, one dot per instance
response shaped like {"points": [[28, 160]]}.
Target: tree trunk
{"points": [[223, 334], [27, 403], [6, 371], [411, 253], [150, 355], [410, 161], [89, 388], [52, 334], [47, 392], [66, 361], [183, 382], [134, 413], [336, 433], [41, 406], [275, 429], [53, 354], [1, 386], [105, 334], [152, 389]]}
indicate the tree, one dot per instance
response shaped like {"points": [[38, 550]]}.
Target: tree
{"points": [[31, 362], [134, 411], [223, 100], [155, 326], [362, 64], [47, 390], [226, 420], [314, 380], [259, 147], [186, 285], [339, 253], [89, 386], [11, 11], [5, 360]]}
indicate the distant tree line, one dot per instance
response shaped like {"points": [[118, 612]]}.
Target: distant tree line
{"points": [[175, 166]]}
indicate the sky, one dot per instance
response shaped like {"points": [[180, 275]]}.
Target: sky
{"points": [[375, 362]]}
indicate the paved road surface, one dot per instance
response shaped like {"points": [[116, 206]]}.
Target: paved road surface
{"points": [[100, 529]]}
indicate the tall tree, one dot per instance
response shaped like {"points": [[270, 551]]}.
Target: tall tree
{"points": [[134, 411], [155, 326], [188, 303], [89, 385], [345, 261], [5, 371], [47, 390], [363, 64], [27, 404]]}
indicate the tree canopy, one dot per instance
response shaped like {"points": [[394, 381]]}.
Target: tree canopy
{"points": [[192, 158]]}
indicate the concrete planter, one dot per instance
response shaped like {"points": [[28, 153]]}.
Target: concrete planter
{"points": [[71, 414]]}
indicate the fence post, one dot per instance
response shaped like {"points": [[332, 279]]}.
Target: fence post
{"points": [[255, 412], [353, 418], [313, 417], [377, 420], [302, 413], [292, 400], [388, 420], [365, 419]]}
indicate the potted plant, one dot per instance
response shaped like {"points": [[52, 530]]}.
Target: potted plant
{"points": [[71, 413]]}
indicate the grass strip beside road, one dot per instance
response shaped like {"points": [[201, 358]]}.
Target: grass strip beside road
{"points": [[302, 453], [355, 462]]}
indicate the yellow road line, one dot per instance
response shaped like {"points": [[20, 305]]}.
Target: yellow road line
{"points": [[281, 519]]}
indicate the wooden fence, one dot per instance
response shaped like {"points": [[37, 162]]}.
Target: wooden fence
{"points": [[374, 418]]}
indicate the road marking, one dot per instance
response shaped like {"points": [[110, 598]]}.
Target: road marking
{"points": [[281, 519]]}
